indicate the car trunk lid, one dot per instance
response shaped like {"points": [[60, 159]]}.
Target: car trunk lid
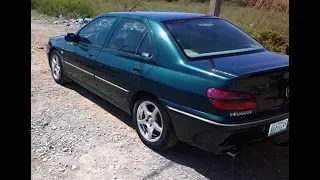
{"points": [[265, 75]]}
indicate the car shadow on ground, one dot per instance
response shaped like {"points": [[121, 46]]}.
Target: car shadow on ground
{"points": [[263, 161]]}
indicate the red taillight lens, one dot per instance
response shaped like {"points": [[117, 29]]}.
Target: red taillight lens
{"points": [[229, 100], [233, 105], [227, 95]]}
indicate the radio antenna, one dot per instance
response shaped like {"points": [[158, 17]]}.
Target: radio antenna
{"points": [[135, 5]]}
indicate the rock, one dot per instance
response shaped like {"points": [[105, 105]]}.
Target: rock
{"points": [[80, 20], [114, 177], [44, 123], [73, 167], [55, 22], [65, 149], [61, 169], [60, 16], [54, 127]]}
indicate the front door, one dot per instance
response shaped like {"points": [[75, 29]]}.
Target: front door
{"points": [[80, 56], [124, 61]]}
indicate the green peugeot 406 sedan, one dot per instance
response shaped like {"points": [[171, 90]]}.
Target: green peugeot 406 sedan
{"points": [[182, 76]]}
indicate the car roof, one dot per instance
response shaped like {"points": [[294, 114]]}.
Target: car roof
{"points": [[159, 15]]}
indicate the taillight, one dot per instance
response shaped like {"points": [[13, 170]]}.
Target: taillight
{"points": [[230, 100]]}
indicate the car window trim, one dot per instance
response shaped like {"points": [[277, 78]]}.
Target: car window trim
{"points": [[106, 45], [92, 45], [140, 42], [129, 54]]}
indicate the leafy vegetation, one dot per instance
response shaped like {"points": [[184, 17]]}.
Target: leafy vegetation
{"points": [[269, 27]]}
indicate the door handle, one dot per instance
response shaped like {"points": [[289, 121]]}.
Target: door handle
{"points": [[136, 70], [91, 56]]}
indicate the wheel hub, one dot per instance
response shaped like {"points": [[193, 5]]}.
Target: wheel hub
{"points": [[149, 121]]}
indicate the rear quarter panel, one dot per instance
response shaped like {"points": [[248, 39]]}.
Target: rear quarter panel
{"points": [[174, 81]]}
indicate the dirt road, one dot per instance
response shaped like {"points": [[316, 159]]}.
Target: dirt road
{"points": [[77, 135]]}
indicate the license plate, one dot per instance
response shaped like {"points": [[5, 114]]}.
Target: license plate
{"points": [[278, 127]]}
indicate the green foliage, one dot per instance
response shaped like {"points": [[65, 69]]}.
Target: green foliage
{"points": [[271, 40], [69, 8], [255, 21]]}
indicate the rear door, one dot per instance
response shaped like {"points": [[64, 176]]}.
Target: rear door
{"points": [[80, 56], [125, 59]]}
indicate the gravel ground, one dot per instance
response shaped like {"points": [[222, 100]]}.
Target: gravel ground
{"points": [[77, 135]]}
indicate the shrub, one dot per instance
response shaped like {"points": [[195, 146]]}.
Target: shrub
{"points": [[69, 8], [271, 40]]}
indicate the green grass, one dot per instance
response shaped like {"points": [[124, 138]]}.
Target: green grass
{"points": [[249, 19]]}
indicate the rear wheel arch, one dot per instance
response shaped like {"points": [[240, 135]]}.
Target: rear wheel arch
{"points": [[138, 95]]}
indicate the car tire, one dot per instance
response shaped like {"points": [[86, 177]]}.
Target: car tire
{"points": [[153, 122], [56, 67]]}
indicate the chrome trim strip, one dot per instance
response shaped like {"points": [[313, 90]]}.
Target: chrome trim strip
{"points": [[79, 68], [111, 84], [216, 123]]}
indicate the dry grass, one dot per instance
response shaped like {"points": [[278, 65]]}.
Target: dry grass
{"points": [[273, 5], [253, 17]]}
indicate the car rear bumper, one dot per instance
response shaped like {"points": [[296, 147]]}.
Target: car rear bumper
{"points": [[217, 137]]}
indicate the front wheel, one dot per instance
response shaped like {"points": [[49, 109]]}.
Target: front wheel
{"points": [[57, 68], [153, 124]]}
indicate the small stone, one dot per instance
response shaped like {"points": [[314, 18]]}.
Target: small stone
{"points": [[50, 170], [65, 149], [44, 159], [60, 16], [44, 123], [73, 167], [61, 169], [54, 127], [55, 22], [114, 177]]}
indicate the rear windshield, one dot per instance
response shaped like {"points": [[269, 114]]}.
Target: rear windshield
{"points": [[209, 37]]}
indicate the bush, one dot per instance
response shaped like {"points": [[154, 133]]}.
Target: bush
{"points": [[243, 17], [69, 8], [271, 40]]}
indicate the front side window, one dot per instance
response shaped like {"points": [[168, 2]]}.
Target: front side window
{"points": [[94, 31], [210, 36], [128, 36]]}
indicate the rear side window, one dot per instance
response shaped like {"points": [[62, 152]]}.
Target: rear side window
{"points": [[145, 49], [128, 36]]}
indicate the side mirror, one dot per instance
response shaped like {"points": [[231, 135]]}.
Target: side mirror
{"points": [[71, 37]]}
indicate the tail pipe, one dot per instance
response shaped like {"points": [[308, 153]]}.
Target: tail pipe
{"points": [[234, 153]]}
